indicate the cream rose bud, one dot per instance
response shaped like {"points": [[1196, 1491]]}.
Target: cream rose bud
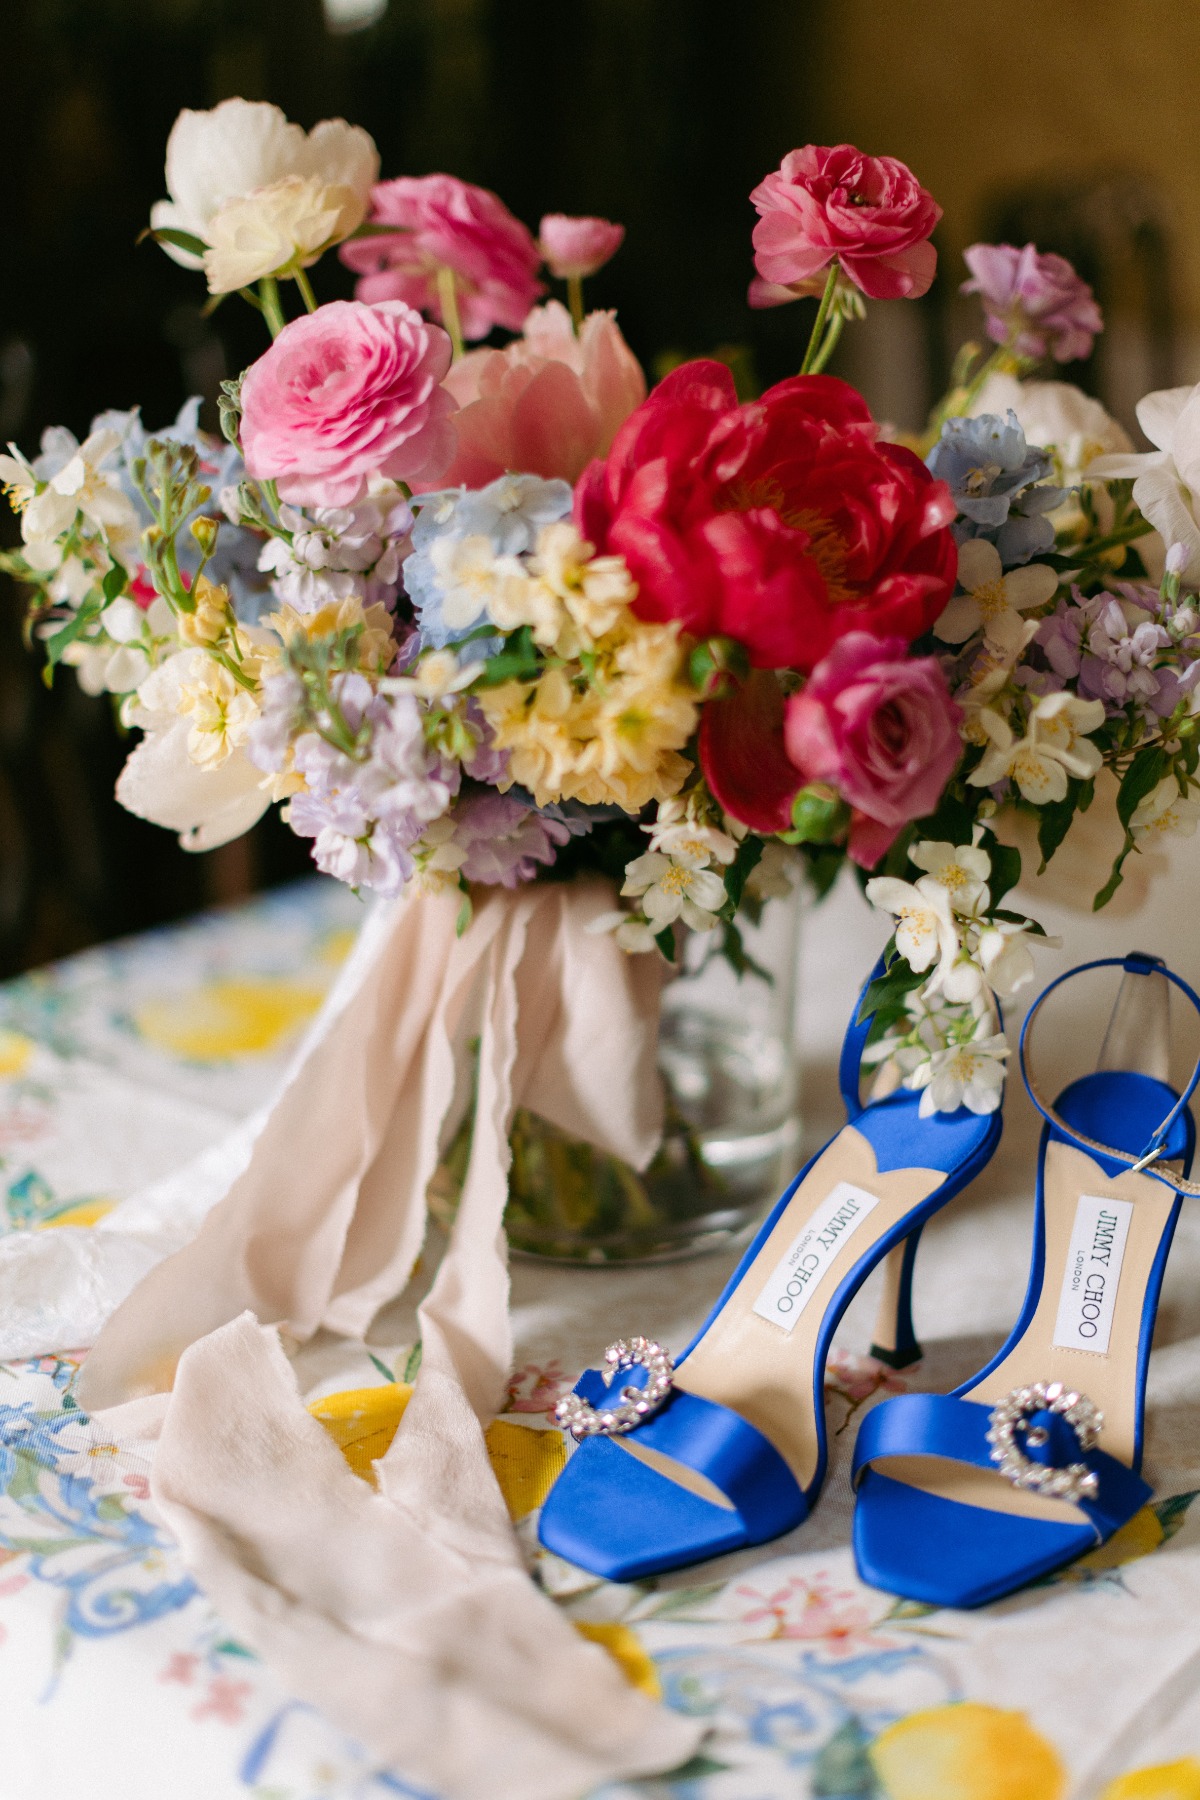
{"points": [[277, 229], [242, 146]]}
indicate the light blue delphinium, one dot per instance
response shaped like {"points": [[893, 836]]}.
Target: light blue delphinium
{"points": [[999, 485], [508, 513]]}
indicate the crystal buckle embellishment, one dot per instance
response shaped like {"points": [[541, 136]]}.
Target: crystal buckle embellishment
{"points": [[1009, 1424], [635, 1404]]}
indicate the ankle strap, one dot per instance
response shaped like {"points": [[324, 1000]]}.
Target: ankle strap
{"points": [[1136, 963]]}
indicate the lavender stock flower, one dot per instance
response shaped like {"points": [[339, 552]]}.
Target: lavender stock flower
{"points": [[1033, 301]]}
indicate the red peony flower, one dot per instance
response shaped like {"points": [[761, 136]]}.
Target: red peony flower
{"points": [[869, 214], [781, 523]]}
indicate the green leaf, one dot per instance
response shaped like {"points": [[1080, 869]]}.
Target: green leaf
{"points": [[413, 1362], [665, 939], [1117, 876], [62, 640], [381, 1366], [114, 583], [182, 240], [1006, 869], [749, 855], [1172, 1511], [463, 918], [518, 661], [1141, 778], [843, 1769], [1054, 821], [733, 949], [696, 1768]]}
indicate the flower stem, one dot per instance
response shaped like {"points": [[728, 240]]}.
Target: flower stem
{"points": [[448, 295], [575, 301], [268, 293], [305, 286], [818, 331], [830, 345]]}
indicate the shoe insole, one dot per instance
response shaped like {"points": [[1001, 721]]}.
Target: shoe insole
{"points": [[757, 1355], [1103, 1233]]}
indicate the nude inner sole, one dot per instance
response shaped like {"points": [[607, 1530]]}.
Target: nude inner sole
{"points": [[1110, 1380], [753, 1365]]}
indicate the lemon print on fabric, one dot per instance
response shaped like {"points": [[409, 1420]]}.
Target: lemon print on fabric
{"points": [[15, 1052], [1166, 1781], [228, 1018], [967, 1751], [362, 1423], [625, 1648], [80, 1212]]}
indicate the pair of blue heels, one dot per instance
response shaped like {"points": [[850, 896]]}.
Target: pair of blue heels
{"points": [[961, 1497]]}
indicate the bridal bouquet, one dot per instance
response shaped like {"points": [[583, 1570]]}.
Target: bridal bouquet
{"points": [[483, 616]]}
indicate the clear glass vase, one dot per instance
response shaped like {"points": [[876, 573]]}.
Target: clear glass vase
{"points": [[727, 1053]]}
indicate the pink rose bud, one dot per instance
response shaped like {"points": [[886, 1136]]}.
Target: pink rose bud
{"points": [[344, 393], [879, 725], [1037, 302], [443, 222], [578, 247], [868, 214]]}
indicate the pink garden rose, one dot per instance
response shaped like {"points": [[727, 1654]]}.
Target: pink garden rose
{"points": [[1035, 299], [880, 727], [346, 392], [546, 404], [443, 222], [578, 247], [869, 214]]}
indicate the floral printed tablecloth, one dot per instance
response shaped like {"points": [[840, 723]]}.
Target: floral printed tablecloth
{"points": [[117, 1680]]}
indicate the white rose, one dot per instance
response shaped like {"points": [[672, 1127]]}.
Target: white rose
{"points": [[160, 781], [1056, 416], [274, 229], [242, 145]]}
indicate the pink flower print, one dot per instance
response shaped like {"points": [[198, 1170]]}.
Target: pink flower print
{"points": [[535, 1390], [812, 1612], [181, 1667], [139, 1485], [857, 1378], [12, 1584], [225, 1700]]}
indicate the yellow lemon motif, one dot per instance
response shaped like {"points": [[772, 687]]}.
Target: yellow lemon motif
{"points": [[625, 1648], [15, 1052], [1166, 1781], [83, 1212], [1137, 1537], [967, 1751], [526, 1463], [363, 1421], [228, 1018]]}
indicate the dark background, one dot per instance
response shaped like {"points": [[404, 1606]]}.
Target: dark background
{"points": [[660, 113]]}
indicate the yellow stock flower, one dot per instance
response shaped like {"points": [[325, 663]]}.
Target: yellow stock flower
{"points": [[376, 646]]}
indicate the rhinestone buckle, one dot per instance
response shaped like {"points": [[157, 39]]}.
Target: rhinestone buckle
{"points": [[635, 1404], [1010, 1433]]}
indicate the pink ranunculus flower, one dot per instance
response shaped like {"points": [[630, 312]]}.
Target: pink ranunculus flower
{"points": [[880, 726], [578, 247], [869, 214], [347, 392], [445, 223], [546, 404], [1036, 300]]}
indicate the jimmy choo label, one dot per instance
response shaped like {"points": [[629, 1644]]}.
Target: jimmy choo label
{"points": [[1089, 1292], [796, 1278]]}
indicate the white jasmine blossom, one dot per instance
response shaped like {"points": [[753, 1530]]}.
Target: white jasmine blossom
{"points": [[1165, 812], [962, 869], [967, 1074], [993, 601], [671, 890], [1055, 745]]}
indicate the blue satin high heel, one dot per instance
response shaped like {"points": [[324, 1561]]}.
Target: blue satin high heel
{"points": [[965, 1497], [678, 1462]]}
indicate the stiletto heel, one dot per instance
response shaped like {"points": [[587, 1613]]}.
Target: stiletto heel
{"points": [[965, 1497], [896, 1342], [679, 1461]]}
